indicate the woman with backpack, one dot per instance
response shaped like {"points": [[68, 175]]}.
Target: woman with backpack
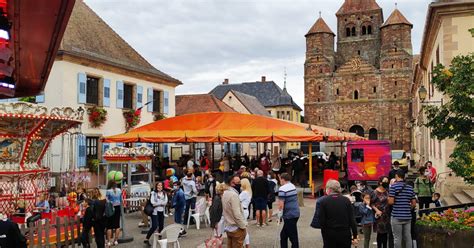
{"points": [[114, 201], [424, 188], [158, 199]]}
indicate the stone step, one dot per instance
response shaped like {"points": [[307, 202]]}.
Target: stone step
{"points": [[470, 193], [462, 198], [449, 201]]}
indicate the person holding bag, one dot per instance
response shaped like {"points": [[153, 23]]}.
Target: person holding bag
{"points": [[424, 188], [158, 199]]}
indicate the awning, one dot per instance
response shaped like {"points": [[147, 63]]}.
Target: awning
{"points": [[218, 127]]}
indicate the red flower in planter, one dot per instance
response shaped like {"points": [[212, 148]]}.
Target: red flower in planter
{"points": [[97, 116]]}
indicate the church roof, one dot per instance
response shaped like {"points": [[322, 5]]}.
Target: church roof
{"points": [[320, 26], [88, 36], [268, 93], [188, 104], [351, 6], [396, 18]]}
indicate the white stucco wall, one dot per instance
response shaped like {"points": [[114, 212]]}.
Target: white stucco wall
{"points": [[61, 91]]}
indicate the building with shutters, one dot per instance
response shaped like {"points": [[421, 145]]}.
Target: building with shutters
{"points": [[363, 86], [96, 67]]}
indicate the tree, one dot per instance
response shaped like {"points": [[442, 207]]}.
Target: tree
{"points": [[454, 119]]}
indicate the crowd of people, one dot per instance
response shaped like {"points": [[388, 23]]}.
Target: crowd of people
{"points": [[241, 196]]}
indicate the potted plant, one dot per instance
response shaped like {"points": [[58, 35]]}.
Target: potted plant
{"points": [[97, 116], [451, 228], [93, 165], [132, 118]]}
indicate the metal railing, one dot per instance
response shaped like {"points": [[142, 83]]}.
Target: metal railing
{"points": [[441, 209]]}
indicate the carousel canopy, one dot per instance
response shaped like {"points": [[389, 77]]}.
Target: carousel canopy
{"points": [[25, 132], [218, 127]]}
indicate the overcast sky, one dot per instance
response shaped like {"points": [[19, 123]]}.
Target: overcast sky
{"points": [[201, 42]]}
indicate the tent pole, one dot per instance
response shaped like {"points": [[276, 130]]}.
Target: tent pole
{"points": [[212, 156], [310, 154], [342, 156], [258, 152]]}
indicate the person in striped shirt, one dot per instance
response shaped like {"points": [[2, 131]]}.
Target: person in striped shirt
{"points": [[402, 198], [289, 211]]}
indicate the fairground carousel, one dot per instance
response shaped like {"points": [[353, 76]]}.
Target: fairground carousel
{"points": [[26, 131]]}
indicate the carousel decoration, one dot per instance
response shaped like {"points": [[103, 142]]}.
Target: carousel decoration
{"points": [[26, 130]]}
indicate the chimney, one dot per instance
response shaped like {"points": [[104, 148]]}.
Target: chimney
{"points": [[264, 79], [226, 81]]}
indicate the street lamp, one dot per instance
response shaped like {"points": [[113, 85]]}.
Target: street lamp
{"points": [[422, 93]]}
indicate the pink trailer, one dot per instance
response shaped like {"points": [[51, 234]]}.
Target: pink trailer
{"points": [[368, 160]]}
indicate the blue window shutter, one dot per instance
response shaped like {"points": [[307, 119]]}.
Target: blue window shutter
{"points": [[119, 144], [119, 94], [81, 151], [81, 87], [166, 103], [149, 145], [139, 96], [149, 107], [39, 98], [105, 147], [106, 100]]}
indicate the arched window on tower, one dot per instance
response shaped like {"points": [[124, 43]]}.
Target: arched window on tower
{"points": [[353, 31], [356, 94], [373, 133], [369, 29], [348, 32], [364, 30], [337, 92]]}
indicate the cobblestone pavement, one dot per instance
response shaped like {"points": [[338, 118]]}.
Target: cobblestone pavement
{"points": [[262, 237]]}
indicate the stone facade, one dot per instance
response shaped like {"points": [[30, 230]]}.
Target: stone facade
{"points": [[364, 86]]}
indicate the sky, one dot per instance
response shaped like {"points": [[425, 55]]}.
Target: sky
{"points": [[202, 42]]}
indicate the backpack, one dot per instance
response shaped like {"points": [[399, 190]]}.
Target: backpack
{"points": [[109, 209], [271, 191]]}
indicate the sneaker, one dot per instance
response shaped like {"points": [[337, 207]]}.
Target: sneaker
{"points": [[115, 243], [182, 233], [171, 214], [141, 224], [166, 216], [147, 242]]}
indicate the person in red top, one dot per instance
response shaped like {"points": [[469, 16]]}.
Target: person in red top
{"points": [[432, 171], [264, 164], [204, 163]]}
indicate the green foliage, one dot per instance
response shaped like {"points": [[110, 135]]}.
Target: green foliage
{"points": [[30, 99], [93, 165], [454, 119]]}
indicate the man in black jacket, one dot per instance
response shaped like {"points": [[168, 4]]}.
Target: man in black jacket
{"points": [[337, 218]]}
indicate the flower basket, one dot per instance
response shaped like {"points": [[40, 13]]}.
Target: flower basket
{"points": [[97, 116], [452, 228], [132, 118]]}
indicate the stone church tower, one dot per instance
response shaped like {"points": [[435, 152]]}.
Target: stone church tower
{"points": [[363, 87]]}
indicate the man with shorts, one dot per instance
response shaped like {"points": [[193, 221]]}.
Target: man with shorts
{"points": [[260, 194]]}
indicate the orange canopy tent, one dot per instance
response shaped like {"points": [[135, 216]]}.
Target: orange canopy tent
{"points": [[218, 127]]}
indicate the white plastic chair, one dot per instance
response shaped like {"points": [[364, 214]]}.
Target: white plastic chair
{"points": [[201, 207], [172, 234]]}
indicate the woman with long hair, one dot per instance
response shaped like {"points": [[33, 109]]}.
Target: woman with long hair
{"points": [[114, 196], [245, 198], [158, 199]]}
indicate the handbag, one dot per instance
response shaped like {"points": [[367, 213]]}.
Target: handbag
{"points": [[109, 209], [214, 242], [148, 207]]}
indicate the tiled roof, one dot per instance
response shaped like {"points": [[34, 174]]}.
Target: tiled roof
{"points": [[396, 18], [187, 104], [88, 36], [268, 93], [251, 103], [351, 6], [320, 26]]}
